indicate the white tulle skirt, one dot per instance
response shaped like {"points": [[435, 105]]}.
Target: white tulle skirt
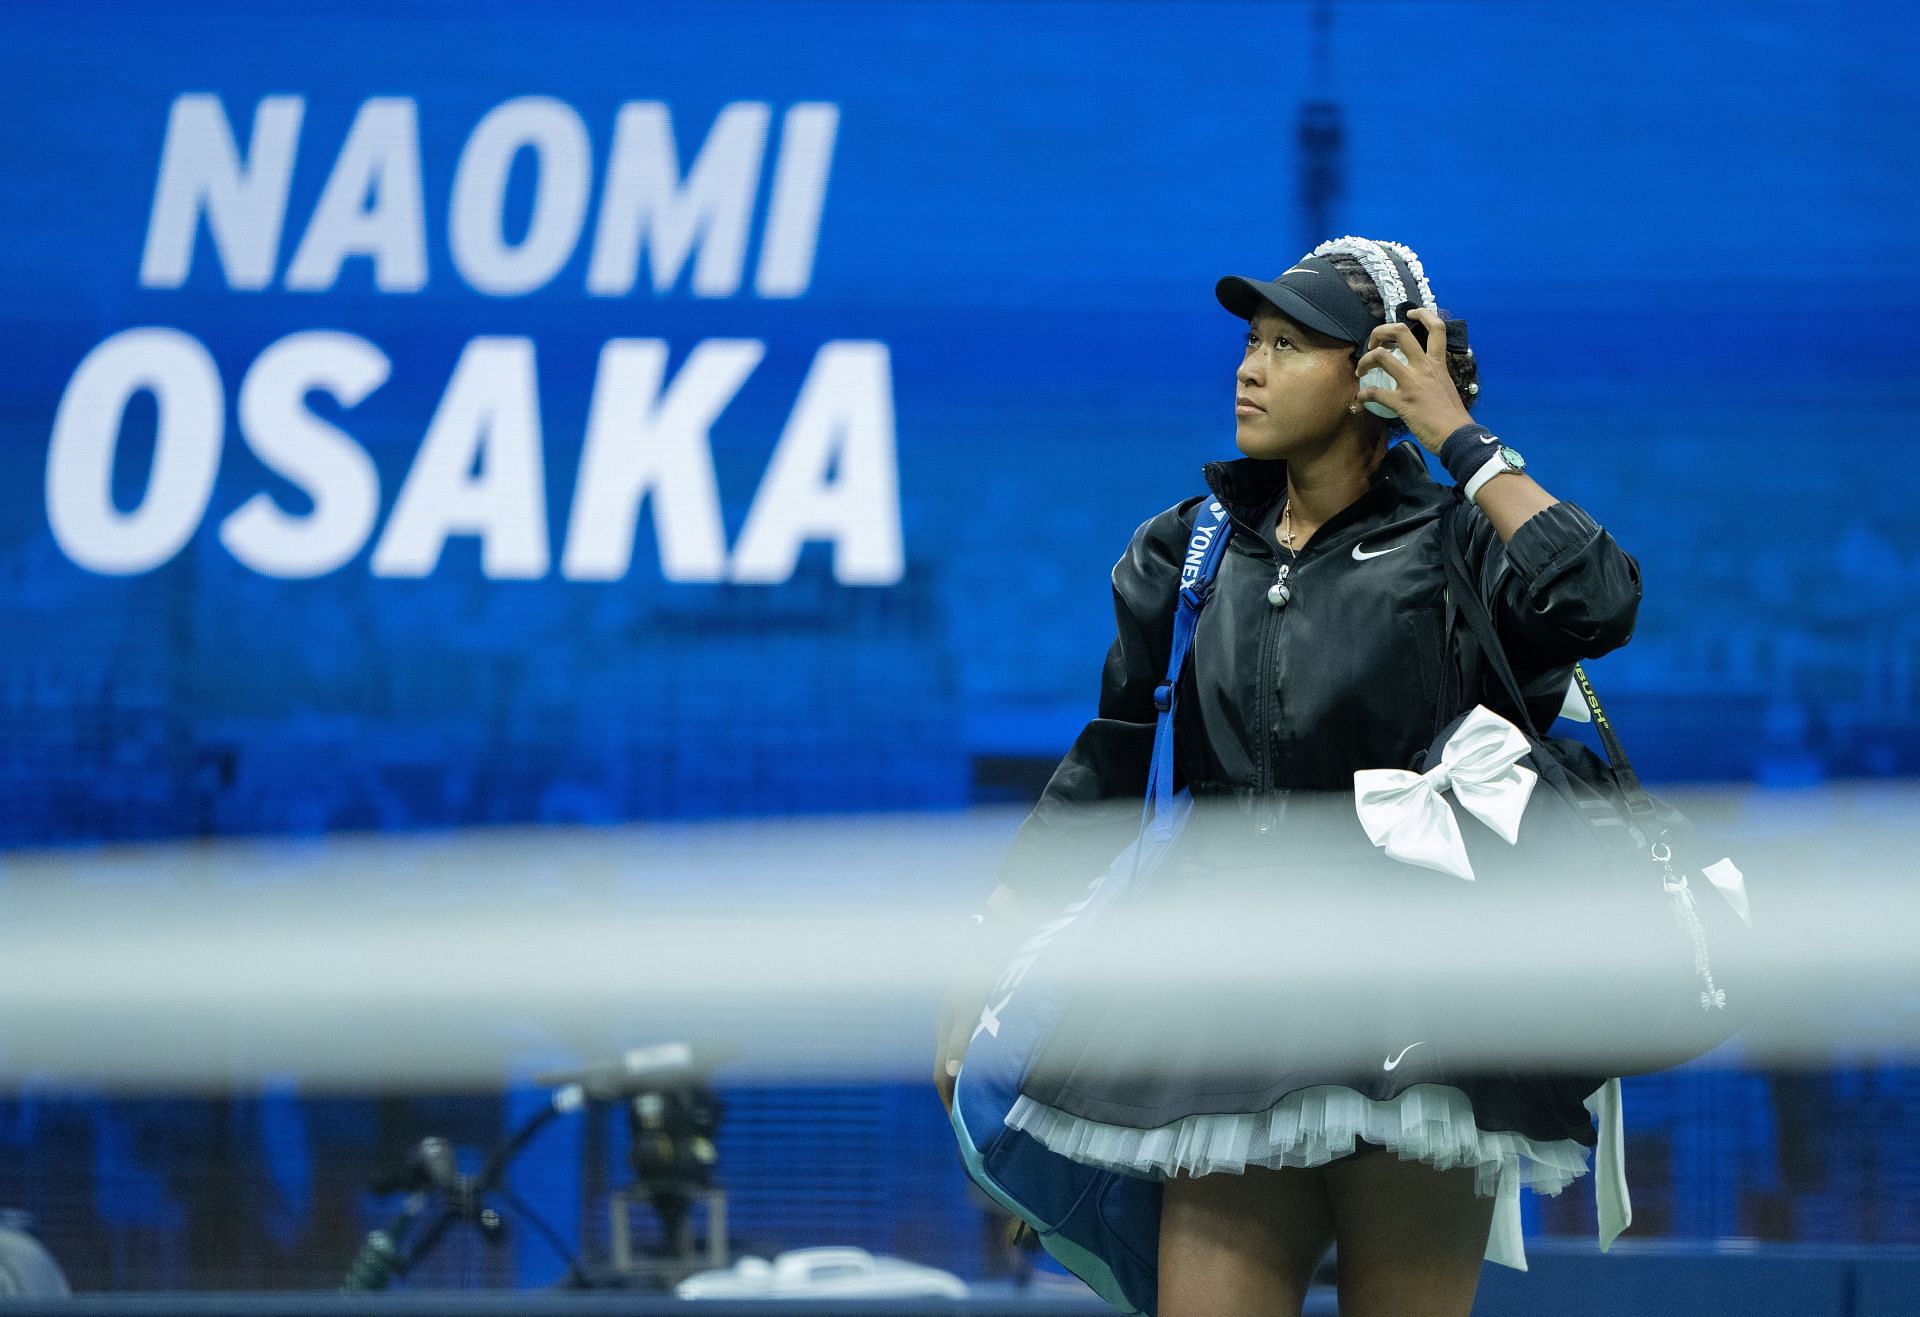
{"points": [[1431, 1123]]}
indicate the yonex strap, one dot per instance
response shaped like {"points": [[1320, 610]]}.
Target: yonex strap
{"points": [[1205, 546]]}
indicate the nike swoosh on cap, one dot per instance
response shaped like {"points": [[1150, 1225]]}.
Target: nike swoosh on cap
{"points": [[1301, 269], [1361, 555]]}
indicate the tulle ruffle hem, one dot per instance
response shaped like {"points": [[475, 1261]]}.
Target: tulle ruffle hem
{"points": [[1432, 1123]]}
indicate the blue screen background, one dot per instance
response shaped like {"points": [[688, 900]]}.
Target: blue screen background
{"points": [[1679, 234]]}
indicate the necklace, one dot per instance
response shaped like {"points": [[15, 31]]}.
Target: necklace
{"points": [[1280, 592]]}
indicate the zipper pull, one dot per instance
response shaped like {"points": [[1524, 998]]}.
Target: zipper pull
{"points": [[1279, 592]]}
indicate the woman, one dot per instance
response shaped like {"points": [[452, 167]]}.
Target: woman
{"points": [[1325, 648]]}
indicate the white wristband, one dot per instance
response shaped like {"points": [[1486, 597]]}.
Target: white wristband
{"points": [[1496, 465]]}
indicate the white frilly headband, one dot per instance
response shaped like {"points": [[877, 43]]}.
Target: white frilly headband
{"points": [[1379, 266]]}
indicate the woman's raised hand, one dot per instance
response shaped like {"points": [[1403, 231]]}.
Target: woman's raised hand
{"points": [[1426, 398]]}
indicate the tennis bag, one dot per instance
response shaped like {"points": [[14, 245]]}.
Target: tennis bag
{"points": [[1646, 950], [1101, 1225]]}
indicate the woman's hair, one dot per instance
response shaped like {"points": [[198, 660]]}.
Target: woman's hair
{"points": [[1460, 363]]}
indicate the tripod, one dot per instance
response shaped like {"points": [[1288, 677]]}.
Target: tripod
{"points": [[439, 1195]]}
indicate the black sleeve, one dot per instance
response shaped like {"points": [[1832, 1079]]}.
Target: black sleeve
{"points": [[1559, 591], [1091, 806]]}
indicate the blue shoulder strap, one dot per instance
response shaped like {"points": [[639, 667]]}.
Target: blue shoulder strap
{"points": [[1197, 570]]}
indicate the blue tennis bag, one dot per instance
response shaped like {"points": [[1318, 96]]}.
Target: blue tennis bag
{"points": [[1101, 1225]]}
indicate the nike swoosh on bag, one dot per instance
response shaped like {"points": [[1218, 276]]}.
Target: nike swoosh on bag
{"points": [[1393, 1061], [1361, 555]]}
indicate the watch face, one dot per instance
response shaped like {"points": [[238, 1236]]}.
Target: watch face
{"points": [[1511, 456]]}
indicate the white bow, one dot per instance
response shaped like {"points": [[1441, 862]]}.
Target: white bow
{"points": [[1405, 812]]}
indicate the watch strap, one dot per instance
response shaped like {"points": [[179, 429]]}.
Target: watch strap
{"points": [[1495, 465]]}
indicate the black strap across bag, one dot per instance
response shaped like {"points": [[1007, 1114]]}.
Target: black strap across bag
{"points": [[1609, 939]]}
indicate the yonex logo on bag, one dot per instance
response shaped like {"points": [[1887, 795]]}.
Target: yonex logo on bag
{"points": [[1196, 553], [1016, 970]]}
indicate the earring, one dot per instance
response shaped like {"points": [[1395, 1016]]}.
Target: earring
{"points": [[1353, 408]]}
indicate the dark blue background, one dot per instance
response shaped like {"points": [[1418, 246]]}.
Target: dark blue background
{"points": [[1680, 233]]}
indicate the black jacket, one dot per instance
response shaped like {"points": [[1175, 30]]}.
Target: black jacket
{"points": [[1347, 675]]}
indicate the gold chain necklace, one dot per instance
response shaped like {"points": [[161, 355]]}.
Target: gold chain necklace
{"points": [[1286, 527]]}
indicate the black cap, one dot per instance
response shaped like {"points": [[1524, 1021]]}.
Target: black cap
{"points": [[1319, 297], [1311, 291]]}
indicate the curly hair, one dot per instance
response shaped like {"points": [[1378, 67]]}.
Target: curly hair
{"points": [[1461, 366]]}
